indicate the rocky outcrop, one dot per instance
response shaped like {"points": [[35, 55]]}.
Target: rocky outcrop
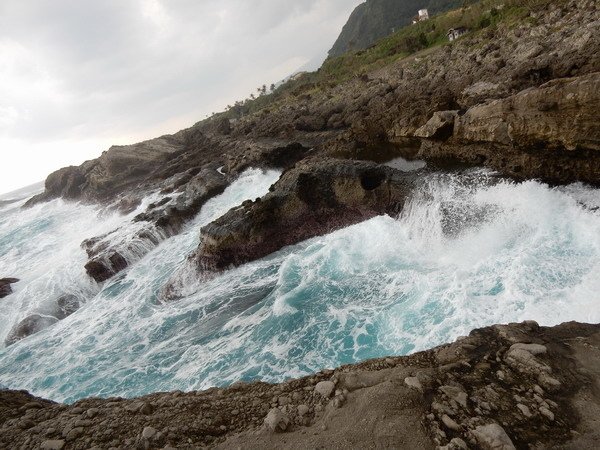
{"points": [[474, 393], [114, 252], [315, 197], [388, 108], [561, 114], [549, 131], [60, 309], [30, 325], [5, 286], [519, 98]]}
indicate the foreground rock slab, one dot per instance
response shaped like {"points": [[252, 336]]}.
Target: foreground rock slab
{"points": [[469, 394]]}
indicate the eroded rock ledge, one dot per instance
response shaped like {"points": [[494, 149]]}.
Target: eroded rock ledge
{"points": [[502, 387], [315, 197]]}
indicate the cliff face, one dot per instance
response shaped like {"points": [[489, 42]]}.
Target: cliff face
{"points": [[374, 19]]}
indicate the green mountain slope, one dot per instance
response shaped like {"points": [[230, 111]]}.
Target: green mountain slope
{"points": [[375, 19]]}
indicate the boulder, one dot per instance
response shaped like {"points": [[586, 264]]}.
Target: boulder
{"points": [[30, 325], [325, 388], [493, 437], [276, 421], [440, 126], [66, 305], [315, 197]]}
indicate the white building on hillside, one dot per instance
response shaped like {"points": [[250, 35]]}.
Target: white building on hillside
{"points": [[422, 15]]}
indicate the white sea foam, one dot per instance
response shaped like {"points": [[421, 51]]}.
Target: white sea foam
{"points": [[467, 251]]}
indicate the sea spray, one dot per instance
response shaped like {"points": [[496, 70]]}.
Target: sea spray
{"points": [[468, 250]]}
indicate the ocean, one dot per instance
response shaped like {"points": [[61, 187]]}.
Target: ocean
{"points": [[469, 250]]}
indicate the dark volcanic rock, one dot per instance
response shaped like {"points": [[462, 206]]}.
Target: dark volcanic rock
{"points": [[5, 286], [66, 305], [315, 197], [30, 325], [114, 252]]}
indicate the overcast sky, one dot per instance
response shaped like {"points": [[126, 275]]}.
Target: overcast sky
{"points": [[77, 76]]}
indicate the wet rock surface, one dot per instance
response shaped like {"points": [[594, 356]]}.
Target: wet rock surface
{"points": [[5, 286], [470, 394], [109, 256], [314, 197], [29, 325]]}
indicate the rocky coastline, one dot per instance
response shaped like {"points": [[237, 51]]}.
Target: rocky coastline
{"points": [[521, 99], [501, 387]]}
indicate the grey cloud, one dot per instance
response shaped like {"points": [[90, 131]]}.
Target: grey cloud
{"points": [[119, 67]]}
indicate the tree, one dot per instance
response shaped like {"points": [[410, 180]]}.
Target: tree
{"points": [[272, 87]]}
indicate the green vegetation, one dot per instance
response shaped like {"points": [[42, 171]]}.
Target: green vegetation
{"points": [[405, 42]]}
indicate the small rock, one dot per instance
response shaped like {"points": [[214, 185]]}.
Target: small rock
{"points": [[456, 394], [450, 423], [146, 408], [74, 434], [276, 421], [56, 444], [414, 383], [325, 388], [551, 384], [547, 413], [148, 433], [534, 349], [303, 410], [493, 437], [92, 412], [524, 410]]}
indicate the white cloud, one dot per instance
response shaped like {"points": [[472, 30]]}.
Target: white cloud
{"points": [[77, 76]]}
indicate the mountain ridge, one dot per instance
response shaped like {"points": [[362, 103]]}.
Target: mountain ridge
{"points": [[375, 19]]}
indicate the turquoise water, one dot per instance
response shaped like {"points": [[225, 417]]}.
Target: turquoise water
{"points": [[467, 251]]}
